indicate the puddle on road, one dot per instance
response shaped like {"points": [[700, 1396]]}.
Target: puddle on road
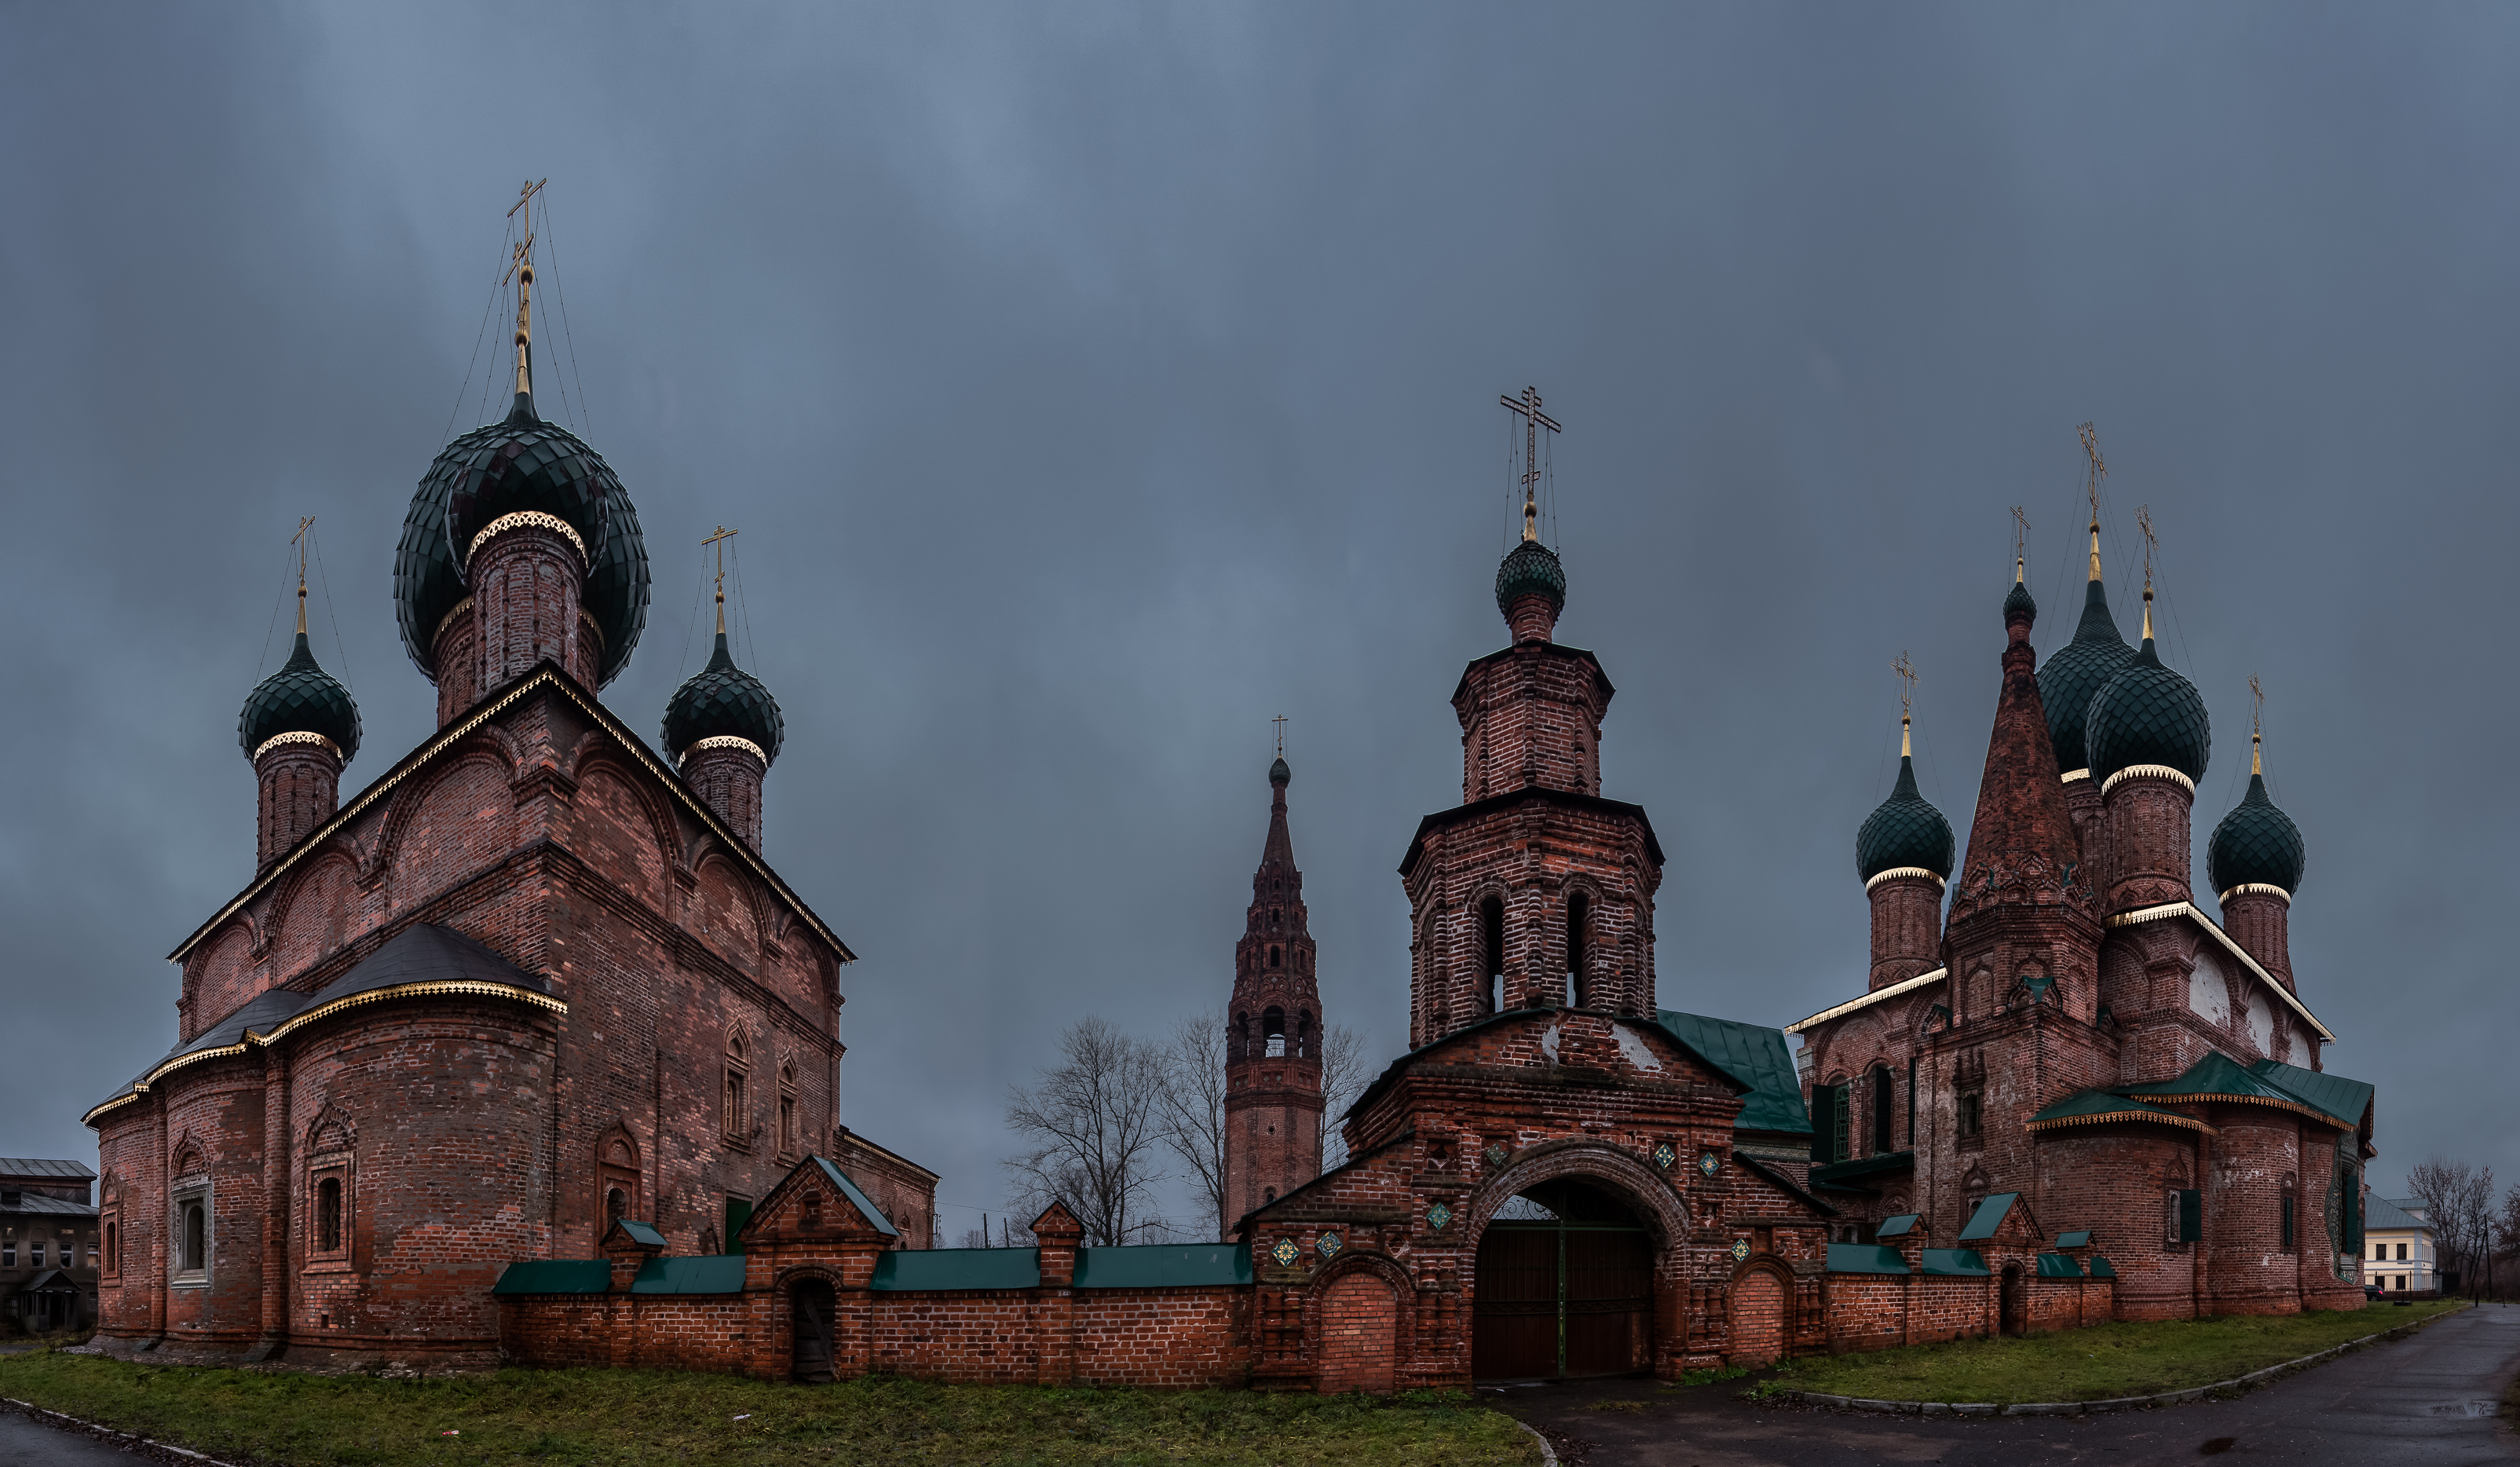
{"points": [[2468, 1408]]}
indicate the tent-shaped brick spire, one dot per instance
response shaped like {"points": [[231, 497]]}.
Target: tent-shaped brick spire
{"points": [[2021, 844]]}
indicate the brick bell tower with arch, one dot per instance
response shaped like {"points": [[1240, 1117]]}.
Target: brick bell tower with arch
{"points": [[1273, 1046]]}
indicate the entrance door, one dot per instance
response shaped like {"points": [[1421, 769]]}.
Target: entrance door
{"points": [[1565, 1293], [2014, 1319], [815, 1303]]}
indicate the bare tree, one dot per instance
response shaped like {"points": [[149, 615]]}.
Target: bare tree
{"points": [[1192, 1103], [2459, 1202], [1092, 1123], [1345, 1071]]}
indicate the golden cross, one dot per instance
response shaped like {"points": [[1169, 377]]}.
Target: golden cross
{"points": [[304, 526], [1533, 420], [2090, 436], [2020, 541], [2257, 721], [719, 540], [520, 269], [1907, 672], [1281, 722], [2143, 522]]}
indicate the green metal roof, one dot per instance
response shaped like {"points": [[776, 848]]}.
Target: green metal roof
{"points": [[1897, 1227], [1755, 1056], [2081, 1239], [2096, 1105], [922, 1269], [2102, 1269], [2219, 1077], [2255, 843], [1989, 1216], [556, 1275], [857, 1199], [2058, 1265], [716, 1273], [1864, 1257], [1864, 1166], [1904, 830], [1164, 1266], [2348, 1100], [637, 1232], [1953, 1262]]}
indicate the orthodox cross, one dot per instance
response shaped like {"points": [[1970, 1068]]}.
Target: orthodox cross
{"points": [[719, 540], [1907, 672], [2021, 543], [1281, 722], [308, 523], [2143, 522], [2257, 721], [520, 269], [1533, 420]]}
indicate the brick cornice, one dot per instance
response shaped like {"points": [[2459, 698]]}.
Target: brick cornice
{"points": [[1512, 799]]}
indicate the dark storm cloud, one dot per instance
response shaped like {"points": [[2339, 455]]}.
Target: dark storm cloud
{"points": [[1091, 383]]}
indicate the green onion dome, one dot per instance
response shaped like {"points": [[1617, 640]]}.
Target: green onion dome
{"points": [[2075, 672], [1904, 832], [520, 465], [300, 698], [1531, 569], [1278, 773], [2018, 601], [720, 701], [2147, 714], [2256, 844]]}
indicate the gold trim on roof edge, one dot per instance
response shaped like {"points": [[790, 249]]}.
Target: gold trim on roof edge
{"points": [[1903, 985], [1904, 871], [276, 739], [2166, 1118], [2189, 908], [2255, 889], [2156, 771], [518, 518]]}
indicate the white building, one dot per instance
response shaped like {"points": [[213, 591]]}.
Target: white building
{"points": [[2401, 1257]]}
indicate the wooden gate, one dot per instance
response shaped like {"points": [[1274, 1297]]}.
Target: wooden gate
{"points": [[812, 1354], [1559, 1299]]}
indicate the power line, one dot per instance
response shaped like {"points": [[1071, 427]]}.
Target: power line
{"points": [[487, 305]]}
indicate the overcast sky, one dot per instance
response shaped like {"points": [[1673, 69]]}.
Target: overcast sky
{"points": [[1091, 384]]}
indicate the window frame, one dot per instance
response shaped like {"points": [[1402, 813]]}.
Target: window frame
{"points": [[331, 1165], [182, 1272], [734, 1096]]}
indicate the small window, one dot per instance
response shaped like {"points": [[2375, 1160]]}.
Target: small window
{"points": [[197, 1239], [1968, 1119], [2379, 1252], [2401, 1253], [735, 1104], [328, 1215], [1579, 915], [1492, 951], [36, 1254], [1274, 954], [617, 1205], [1884, 1114], [2287, 1239], [114, 1248]]}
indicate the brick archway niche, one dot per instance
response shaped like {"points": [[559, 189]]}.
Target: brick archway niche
{"points": [[1361, 1312], [1645, 1191]]}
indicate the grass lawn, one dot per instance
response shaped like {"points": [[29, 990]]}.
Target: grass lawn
{"points": [[642, 1416], [2097, 1364]]}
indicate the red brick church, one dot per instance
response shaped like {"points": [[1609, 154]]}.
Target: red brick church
{"points": [[524, 1052]]}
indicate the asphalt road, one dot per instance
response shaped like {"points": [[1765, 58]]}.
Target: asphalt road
{"points": [[2428, 1401]]}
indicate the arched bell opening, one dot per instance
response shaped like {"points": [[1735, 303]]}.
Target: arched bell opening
{"points": [[1566, 1284]]}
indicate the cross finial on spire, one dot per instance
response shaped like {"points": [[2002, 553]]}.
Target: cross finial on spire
{"points": [[2090, 436], [2143, 522], [1281, 722], [1907, 672], [520, 269], [304, 525], [2257, 723], [1533, 420], [2020, 544], [719, 540]]}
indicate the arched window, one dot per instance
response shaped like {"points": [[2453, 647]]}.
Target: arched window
{"points": [[1492, 951], [112, 1248], [617, 1205], [1881, 1111], [196, 1240], [735, 1104], [328, 1215], [1274, 954], [787, 1134], [1579, 921], [1304, 1035], [1272, 1029]]}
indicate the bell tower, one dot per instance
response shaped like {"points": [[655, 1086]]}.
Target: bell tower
{"points": [[1273, 1047]]}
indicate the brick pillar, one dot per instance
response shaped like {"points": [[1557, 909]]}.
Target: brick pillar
{"points": [[299, 785], [853, 1305], [2260, 920], [277, 1190], [725, 773], [528, 582], [1058, 1233], [2091, 831], [1906, 925]]}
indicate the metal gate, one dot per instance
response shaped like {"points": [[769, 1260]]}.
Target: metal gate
{"points": [[1562, 1297]]}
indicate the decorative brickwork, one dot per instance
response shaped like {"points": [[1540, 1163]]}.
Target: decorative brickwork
{"points": [[1274, 1029]]}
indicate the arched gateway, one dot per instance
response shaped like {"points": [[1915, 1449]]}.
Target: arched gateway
{"points": [[1564, 1286]]}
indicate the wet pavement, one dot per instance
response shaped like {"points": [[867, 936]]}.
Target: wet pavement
{"points": [[2431, 1399]]}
